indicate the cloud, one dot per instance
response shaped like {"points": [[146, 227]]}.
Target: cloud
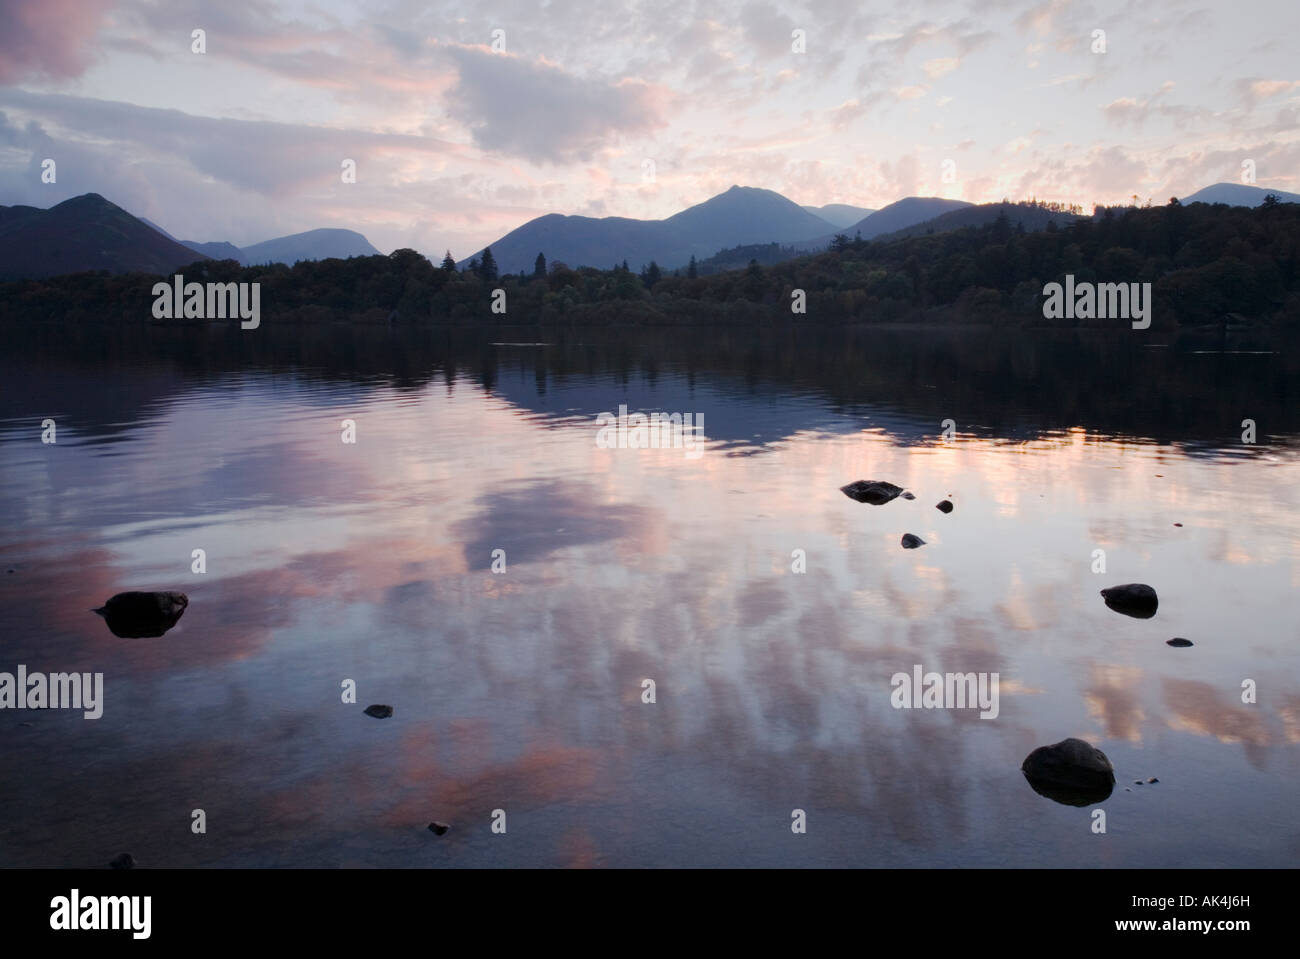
{"points": [[50, 38], [537, 111]]}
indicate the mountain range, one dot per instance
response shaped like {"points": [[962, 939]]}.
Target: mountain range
{"points": [[90, 233], [312, 245]]}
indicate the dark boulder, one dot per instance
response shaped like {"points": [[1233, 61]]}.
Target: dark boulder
{"points": [[944, 507], [911, 541], [1132, 599], [438, 828], [379, 711], [1179, 642], [1072, 772], [136, 615], [875, 492]]}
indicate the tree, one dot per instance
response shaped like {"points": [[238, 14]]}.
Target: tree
{"points": [[840, 243], [1271, 200], [652, 275], [448, 263], [539, 266], [692, 272], [487, 270]]}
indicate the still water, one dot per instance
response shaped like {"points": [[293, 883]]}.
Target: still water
{"points": [[522, 690]]}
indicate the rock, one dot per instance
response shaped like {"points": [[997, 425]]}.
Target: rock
{"points": [[907, 496], [438, 828], [1071, 772], [1153, 780], [135, 615], [379, 711], [1137, 782], [875, 492], [1132, 599], [943, 507], [1179, 642], [124, 861], [912, 542], [1178, 524]]}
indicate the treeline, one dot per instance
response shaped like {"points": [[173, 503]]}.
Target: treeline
{"points": [[1204, 263]]}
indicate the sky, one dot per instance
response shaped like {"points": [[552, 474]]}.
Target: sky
{"points": [[466, 121]]}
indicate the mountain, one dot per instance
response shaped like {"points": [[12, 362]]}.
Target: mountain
{"points": [[739, 216], [1237, 194], [1029, 215], [840, 214], [312, 245], [901, 214], [84, 233], [219, 250]]}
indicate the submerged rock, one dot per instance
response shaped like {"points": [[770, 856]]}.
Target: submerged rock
{"points": [[943, 507], [1071, 772], [1179, 642], [379, 711], [875, 492], [124, 861], [911, 541], [907, 496], [135, 615], [438, 828], [1132, 599]]}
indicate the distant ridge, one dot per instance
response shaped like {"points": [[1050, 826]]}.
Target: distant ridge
{"points": [[738, 216]]}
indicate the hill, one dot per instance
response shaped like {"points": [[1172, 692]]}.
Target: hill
{"points": [[1030, 216], [84, 233], [1237, 194]]}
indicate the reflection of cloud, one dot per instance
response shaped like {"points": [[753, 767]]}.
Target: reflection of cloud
{"points": [[534, 520], [1201, 708], [1112, 698]]}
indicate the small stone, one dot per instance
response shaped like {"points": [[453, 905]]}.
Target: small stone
{"points": [[943, 507], [907, 496], [1137, 782], [1153, 780], [124, 861], [1178, 524], [1178, 641], [912, 542], [438, 828], [379, 711]]}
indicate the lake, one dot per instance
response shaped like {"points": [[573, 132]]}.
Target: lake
{"points": [[479, 560]]}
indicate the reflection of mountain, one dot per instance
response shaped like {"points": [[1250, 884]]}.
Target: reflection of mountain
{"points": [[754, 388]]}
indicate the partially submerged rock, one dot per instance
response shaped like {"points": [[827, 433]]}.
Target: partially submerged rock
{"points": [[875, 492], [438, 828], [907, 496], [135, 615], [1179, 642], [911, 541], [379, 711], [943, 507], [1132, 599], [1071, 772]]}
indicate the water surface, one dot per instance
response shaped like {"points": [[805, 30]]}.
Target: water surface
{"points": [[522, 690]]}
